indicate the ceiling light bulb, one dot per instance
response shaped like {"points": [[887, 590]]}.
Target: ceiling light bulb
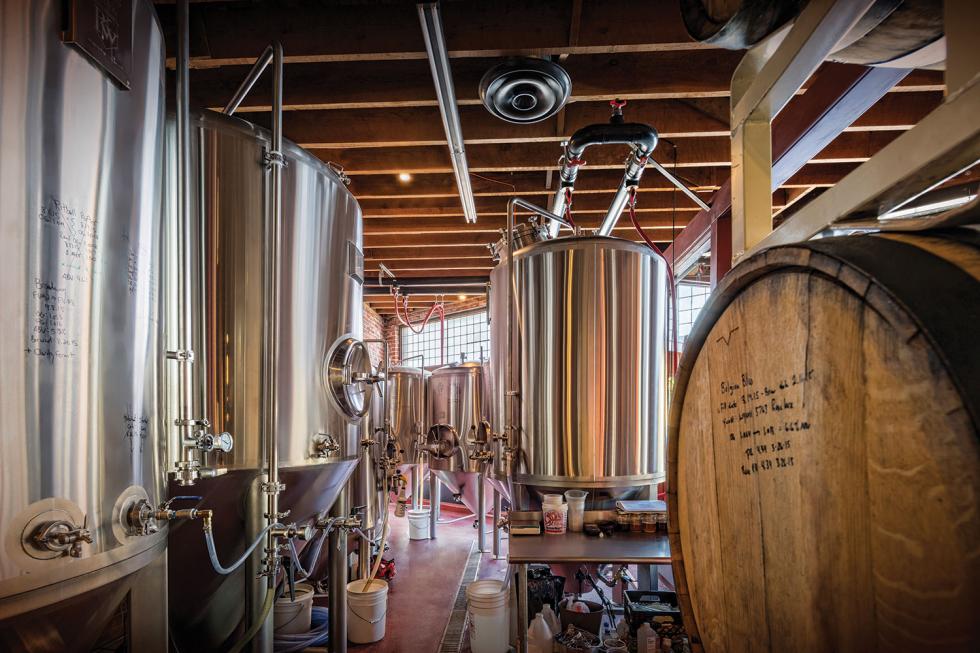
{"points": [[404, 176]]}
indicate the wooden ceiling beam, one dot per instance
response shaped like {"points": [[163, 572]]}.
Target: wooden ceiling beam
{"points": [[415, 126], [429, 240], [445, 272], [399, 84], [380, 187], [422, 251], [359, 31], [584, 203], [438, 185], [692, 152], [493, 225]]}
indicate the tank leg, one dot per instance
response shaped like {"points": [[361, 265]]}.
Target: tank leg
{"points": [[435, 499], [481, 510], [522, 620], [496, 524], [416, 487], [256, 584], [338, 579]]}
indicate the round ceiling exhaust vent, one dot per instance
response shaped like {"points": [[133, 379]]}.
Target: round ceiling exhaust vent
{"points": [[525, 90]]}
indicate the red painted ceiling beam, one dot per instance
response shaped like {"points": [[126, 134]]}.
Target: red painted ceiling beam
{"points": [[840, 93]]}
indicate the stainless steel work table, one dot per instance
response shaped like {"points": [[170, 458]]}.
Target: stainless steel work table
{"points": [[626, 548]]}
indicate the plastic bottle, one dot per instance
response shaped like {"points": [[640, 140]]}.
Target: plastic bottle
{"points": [[647, 641], [622, 629], [551, 619], [540, 639]]}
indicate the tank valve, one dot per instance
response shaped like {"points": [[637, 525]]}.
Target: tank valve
{"points": [[293, 531], [325, 445], [62, 536], [142, 518]]}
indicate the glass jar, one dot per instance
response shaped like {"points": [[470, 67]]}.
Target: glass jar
{"points": [[636, 524], [622, 521], [649, 523]]}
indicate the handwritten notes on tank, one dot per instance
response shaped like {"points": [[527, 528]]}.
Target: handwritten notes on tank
{"points": [[70, 237], [51, 336]]}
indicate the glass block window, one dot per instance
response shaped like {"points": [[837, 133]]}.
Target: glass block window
{"points": [[465, 332], [691, 297]]}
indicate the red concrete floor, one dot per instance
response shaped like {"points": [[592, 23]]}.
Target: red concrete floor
{"points": [[421, 596]]}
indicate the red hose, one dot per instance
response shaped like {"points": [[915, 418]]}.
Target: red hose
{"points": [[631, 205], [568, 207], [406, 321]]}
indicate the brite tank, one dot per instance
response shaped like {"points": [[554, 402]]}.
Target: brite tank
{"points": [[406, 412], [80, 181], [458, 435], [590, 366], [320, 322]]}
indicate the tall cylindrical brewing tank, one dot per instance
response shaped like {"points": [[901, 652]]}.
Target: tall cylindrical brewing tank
{"points": [[406, 412], [458, 436], [590, 369], [321, 268], [81, 130], [367, 483]]}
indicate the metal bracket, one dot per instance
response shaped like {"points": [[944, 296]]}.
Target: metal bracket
{"points": [[339, 169], [273, 488], [274, 158], [181, 355]]}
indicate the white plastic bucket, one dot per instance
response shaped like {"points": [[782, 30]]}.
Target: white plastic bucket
{"points": [[486, 602], [555, 519], [418, 524], [293, 617], [367, 607]]}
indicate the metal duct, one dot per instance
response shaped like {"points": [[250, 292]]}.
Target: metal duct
{"points": [[524, 90]]}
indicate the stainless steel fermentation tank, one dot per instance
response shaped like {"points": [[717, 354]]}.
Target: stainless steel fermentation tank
{"points": [[406, 387], [318, 400], [589, 363], [459, 436], [81, 158]]}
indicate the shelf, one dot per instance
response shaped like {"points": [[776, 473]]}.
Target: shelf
{"points": [[632, 548]]}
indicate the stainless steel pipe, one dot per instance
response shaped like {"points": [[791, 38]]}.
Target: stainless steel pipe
{"points": [[274, 161], [253, 76], [496, 523], [631, 179], [481, 513], [189, 455], [337, 557], [435, 502]]}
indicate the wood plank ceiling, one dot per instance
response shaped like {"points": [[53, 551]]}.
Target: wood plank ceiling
{"points": [[359, 93]]}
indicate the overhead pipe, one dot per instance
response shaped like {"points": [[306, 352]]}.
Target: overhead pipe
{"points": [[640, 137], [435, 45]]}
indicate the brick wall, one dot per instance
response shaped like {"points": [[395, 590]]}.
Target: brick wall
{"points": [[374, 329]]}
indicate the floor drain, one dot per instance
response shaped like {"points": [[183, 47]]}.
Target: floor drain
{"points": [[452, 638]]}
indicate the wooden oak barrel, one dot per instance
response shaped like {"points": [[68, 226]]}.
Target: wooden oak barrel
{"points": [[823, 451], [902, 33]]}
